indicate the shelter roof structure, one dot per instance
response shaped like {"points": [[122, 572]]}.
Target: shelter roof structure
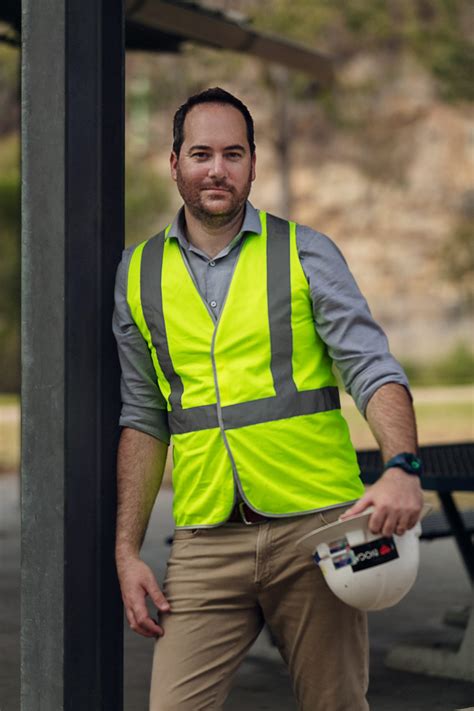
{"points": [[164, 25]]}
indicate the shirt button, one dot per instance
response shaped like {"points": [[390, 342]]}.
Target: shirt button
{"points": [[212, 264], [213, 304]]}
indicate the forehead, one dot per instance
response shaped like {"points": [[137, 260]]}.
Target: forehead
{"points": [[210, 124]]}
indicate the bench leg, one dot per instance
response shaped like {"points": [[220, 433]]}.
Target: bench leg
{"points": [[463, 538]]}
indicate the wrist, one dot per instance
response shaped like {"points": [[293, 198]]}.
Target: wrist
{"points": [[406, 461], [124, 552]]}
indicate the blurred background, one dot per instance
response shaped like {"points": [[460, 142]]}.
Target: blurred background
{"points": [[383, 163]]}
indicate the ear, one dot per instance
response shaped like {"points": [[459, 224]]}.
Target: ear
{"points": [[253, 166], [174, 165]]}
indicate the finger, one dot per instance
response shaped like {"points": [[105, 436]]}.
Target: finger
{"points": [[141, 621], [359, 506], [154, 591], [390, 522], [377, 519], [144, 632], [412, 521], [130, 616], [145, 625], [134, 626], [403, 523]]}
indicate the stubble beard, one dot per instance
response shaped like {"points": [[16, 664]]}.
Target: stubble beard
{"points": [[193, 199]]}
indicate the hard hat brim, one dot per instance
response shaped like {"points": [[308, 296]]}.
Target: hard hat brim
{"points": [[338, 529]]}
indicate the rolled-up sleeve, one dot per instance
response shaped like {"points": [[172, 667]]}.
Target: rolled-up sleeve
{"points": [[143, 405], [355, 342]]}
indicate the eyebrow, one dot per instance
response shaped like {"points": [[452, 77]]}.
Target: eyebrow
{"points": [[200, 147]]}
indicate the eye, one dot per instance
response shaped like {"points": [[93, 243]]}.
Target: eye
{"points": [[200, 155], [234, 155]]}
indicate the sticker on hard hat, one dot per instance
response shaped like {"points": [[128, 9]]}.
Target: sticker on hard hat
{"points": [[341, 553], [374, 553]]}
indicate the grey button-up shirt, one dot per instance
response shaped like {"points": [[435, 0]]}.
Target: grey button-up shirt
{"points": [[342, 318]]}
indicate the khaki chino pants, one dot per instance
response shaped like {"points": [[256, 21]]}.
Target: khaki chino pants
{"points": [[222, 585]]}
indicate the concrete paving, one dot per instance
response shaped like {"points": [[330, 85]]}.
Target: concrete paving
{"points": [[262, 682]]}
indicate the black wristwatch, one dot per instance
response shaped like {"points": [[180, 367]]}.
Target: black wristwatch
{"points": [[410, 463]]}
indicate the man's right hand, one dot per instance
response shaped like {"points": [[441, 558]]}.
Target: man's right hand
{"points": [[136, 582]]}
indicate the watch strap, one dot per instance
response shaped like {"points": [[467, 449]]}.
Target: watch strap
{"points": [[407, 461]]}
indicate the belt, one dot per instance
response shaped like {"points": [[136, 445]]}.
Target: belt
{"points": [[242, 513]]}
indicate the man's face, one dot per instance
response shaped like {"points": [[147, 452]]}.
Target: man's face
{"points": [[214, 170]]}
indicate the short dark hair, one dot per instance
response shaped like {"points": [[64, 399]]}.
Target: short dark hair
{"points": [[215, 95]]}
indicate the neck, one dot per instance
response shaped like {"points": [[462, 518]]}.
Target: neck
{"points": [[212, 239]]}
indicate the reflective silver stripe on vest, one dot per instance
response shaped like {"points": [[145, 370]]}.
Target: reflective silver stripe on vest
{"points": [[288, 401], [253, 412], [279, 305], [152, 305]]}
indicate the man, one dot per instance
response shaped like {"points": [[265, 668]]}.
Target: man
{"points": [[227, 324]]}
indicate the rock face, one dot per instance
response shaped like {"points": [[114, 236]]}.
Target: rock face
{"points": [[392, 195], [389, 178]]}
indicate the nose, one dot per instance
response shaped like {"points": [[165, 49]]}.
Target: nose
{"points": [[217, 167]]}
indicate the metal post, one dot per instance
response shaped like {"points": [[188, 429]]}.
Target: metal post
{"points": [[73, 135]]}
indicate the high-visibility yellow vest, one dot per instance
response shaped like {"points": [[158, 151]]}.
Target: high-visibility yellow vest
{"points": [[253, 405]]}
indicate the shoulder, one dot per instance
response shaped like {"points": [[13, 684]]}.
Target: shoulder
{"points": [[311, 242], [323, 263], [128, 252], [124, 264]]}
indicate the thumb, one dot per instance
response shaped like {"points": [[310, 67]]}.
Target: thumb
{"points": [[363, 503], [157, 596]]}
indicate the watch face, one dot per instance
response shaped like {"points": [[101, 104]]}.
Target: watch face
{"points": [[414, 462]]}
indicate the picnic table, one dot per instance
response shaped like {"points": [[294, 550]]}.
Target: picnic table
{"points": [[446, 468]]}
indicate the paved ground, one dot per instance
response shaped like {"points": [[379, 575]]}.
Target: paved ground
{"points": [[262, 683]]}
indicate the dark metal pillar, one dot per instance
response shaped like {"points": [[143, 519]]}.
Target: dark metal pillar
{"points": [[462, 535], [73, 135]]}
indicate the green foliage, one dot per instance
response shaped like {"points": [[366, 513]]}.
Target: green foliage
{"points": [[10, 265], [456, 257], [457, 262], [147, 197], [455, 368], [303, 21], [9, 221], [452, 64], [9, 88], [444, 50], [433, 31]]}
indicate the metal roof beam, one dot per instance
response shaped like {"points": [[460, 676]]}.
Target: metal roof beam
{"points": [[196, 23]]}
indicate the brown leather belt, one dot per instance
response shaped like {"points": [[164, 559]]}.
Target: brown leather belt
{"points": [[241, 513]]}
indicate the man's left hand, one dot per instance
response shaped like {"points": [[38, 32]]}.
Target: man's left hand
{"points": [[397, 500]]}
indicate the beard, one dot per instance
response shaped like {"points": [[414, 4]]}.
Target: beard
{"points": [[213, 210]]}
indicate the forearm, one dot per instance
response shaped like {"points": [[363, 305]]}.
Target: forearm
{"points": [[391, 418], [140, 466], [396, 496]]}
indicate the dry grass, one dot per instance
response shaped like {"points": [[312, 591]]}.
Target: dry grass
{"points": [[443, 415], [9, 434]]}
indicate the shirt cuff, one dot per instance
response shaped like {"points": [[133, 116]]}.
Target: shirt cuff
{"points": [[148, 420], [365, 393]]}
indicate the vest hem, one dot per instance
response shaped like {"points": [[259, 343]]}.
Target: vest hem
{"points": [[275, 516]]}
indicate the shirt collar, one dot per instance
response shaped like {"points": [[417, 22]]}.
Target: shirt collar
{"points": [[251, 223]]}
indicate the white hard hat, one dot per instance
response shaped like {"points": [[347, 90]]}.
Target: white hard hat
{"points": [[364, 569]]}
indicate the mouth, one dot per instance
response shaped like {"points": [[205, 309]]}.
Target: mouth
{"points": [[216, 190]]}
